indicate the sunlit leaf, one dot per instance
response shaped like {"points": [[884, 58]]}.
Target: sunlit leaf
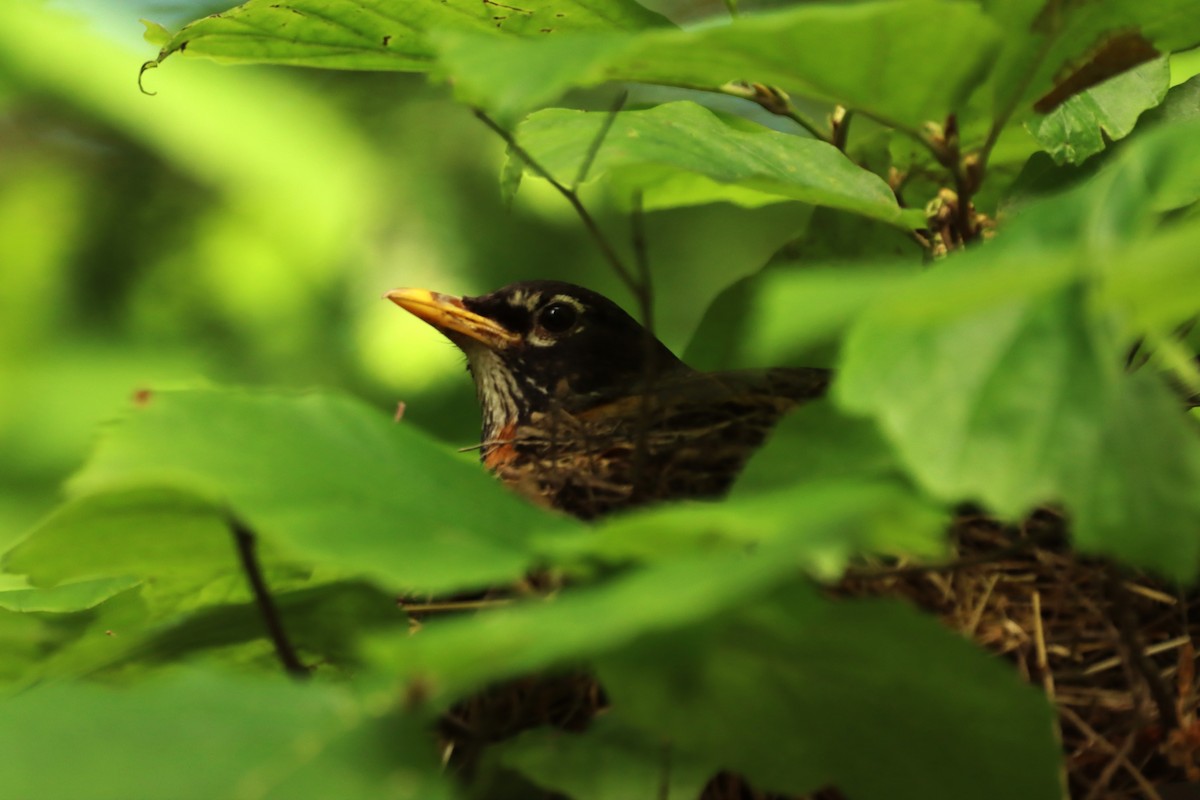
{"points": [[382, 35], [326, 480]]}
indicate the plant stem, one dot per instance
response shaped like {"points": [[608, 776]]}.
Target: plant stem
{"points": [[244, 538]]}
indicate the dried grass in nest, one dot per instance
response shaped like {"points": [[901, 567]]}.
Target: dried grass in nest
{"points": [[1114, 652]]}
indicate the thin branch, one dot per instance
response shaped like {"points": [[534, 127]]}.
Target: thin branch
{"points": [[770, 98], [606, 248], [244, 538], [645, 298]]}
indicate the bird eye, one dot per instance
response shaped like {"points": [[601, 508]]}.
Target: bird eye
{"points": [[557, 317]]}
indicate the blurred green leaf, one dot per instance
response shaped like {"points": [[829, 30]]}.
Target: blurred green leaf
{"points": [[704, 558], [1084, 124], [326, 480], [826, 521], [460, 655], [608, 761], [817, 443], [142, 532], [809, 690], [65, 598], [261, 738], [375, 34], [647, 150]]}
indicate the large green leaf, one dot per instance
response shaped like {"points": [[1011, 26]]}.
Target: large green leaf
{"points": [[807, 691], [143, 532], [256, 738], [846, 53], [1027, 404], [1082, 126], [652, 151], [325, 480], [381, 34]]}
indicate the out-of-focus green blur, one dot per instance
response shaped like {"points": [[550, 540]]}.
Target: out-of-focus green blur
{"points": [[240, 226]]}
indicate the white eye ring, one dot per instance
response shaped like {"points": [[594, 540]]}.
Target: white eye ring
{"points": [[556, 318]]}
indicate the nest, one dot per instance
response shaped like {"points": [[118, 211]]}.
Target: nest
{"points": [[1112, 650]]}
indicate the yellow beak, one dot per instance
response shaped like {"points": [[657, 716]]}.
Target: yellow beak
{"points": [[447, 313]]}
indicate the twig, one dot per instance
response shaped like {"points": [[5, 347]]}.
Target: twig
{"points": [[606, 248], [1110, 769], [1147, 788], [243, 537], [1126, 624]]}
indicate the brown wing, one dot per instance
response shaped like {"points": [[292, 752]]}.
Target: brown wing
{"points": [[688, 437]]}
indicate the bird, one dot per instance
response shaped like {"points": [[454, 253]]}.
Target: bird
{"points": [[585, 411]]}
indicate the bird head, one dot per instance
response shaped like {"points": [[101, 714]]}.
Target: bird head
{"points": [[535, 344]]}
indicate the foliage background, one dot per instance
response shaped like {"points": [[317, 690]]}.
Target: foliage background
{"points": [[238, 229]]}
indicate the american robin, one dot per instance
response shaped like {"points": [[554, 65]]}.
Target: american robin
{"points": [[586, 412]]}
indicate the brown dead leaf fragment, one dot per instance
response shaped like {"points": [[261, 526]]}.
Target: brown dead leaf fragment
{"points": [[1116, 54]]}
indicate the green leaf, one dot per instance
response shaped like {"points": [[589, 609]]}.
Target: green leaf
{"points": [[144, 532], [463, 654], [1082, 126], [258, 738], [1139, 497], [608, 761], [650, 150], [780, 314], [66, 598], [325, 480], [155, 34], [717, 556], [380, 34], [844, 53], [1026, 404], [1048, 43], [809, 690], [817, 442], [826, 521]]}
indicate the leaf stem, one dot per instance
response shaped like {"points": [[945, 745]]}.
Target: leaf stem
{"points": [[244, 538]]}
